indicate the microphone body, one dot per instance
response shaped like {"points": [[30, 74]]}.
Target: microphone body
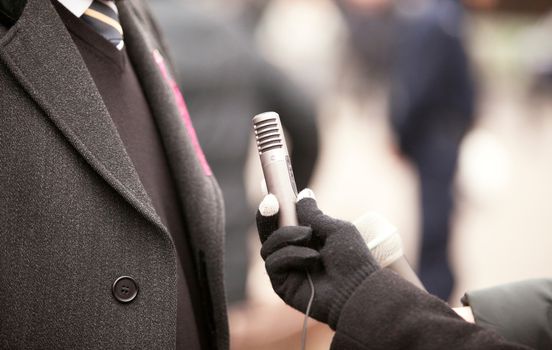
{"points": [[276, 164], [385, 244]]}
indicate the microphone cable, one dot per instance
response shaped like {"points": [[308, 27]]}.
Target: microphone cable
{"points": [[307, 312]]}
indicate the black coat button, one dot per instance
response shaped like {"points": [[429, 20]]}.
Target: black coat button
{"points": [[125, 289]]}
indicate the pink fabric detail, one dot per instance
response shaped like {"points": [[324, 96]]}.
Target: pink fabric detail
{"points": [[183, 109]]}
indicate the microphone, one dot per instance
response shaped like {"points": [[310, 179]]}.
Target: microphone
{"points": [[279, 180], [380, 235], [385, 244], [276, 164]]}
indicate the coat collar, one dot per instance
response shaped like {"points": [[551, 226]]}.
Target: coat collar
{"points": [[40, 53]]}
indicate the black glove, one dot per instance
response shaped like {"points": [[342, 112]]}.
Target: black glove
{"points": [[331, 250]]}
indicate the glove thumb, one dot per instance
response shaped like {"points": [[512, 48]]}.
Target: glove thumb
{"points": [[267, 216]]}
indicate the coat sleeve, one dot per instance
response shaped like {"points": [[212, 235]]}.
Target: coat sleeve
{"points": [[387, 312], [520, 312]]}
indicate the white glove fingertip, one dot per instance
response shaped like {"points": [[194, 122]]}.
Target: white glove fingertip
{"points": [[306, 193], [269, 205]]}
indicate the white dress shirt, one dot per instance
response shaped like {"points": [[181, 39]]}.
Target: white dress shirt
{"points": [[77, 7]]}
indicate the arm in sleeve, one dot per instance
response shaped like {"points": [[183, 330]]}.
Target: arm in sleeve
{"points": [[387, 312], [520, 312]]}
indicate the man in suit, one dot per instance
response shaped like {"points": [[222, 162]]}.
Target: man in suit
{"points": [[111, 221]]}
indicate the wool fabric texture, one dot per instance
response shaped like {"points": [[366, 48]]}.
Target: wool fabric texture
{"points": [[75, 215]]}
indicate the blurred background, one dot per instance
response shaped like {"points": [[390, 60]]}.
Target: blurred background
{"points": [[435, 113]]}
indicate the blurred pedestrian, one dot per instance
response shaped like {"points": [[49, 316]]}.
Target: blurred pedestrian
{"points": [[419, 46], [226, 82], [432, 107]]}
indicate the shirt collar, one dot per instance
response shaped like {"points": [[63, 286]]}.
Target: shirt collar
{"points": [[76, 7]]}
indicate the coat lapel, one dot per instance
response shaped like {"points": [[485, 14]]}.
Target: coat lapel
{"points": [[196, 188], [41, 55], [201, 198]]}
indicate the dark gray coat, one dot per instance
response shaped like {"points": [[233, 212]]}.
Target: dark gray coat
{"points": [[73, 213], [520, 312]]}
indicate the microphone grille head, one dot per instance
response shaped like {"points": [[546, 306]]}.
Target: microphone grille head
{"points": [[268, 133]]}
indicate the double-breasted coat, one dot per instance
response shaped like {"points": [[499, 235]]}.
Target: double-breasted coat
{"points": [[74, 216]]}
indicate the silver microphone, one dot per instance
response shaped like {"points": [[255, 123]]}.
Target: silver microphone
{"points": [[380, 236], [276, 164]]}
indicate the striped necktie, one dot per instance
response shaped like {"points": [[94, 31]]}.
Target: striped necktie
{"points": [[103, 17]]}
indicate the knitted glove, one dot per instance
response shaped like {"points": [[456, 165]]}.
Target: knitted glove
{"points": [[331, 250]]}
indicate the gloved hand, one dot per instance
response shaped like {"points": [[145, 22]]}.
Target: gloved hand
{"points": [[331, 250]]}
